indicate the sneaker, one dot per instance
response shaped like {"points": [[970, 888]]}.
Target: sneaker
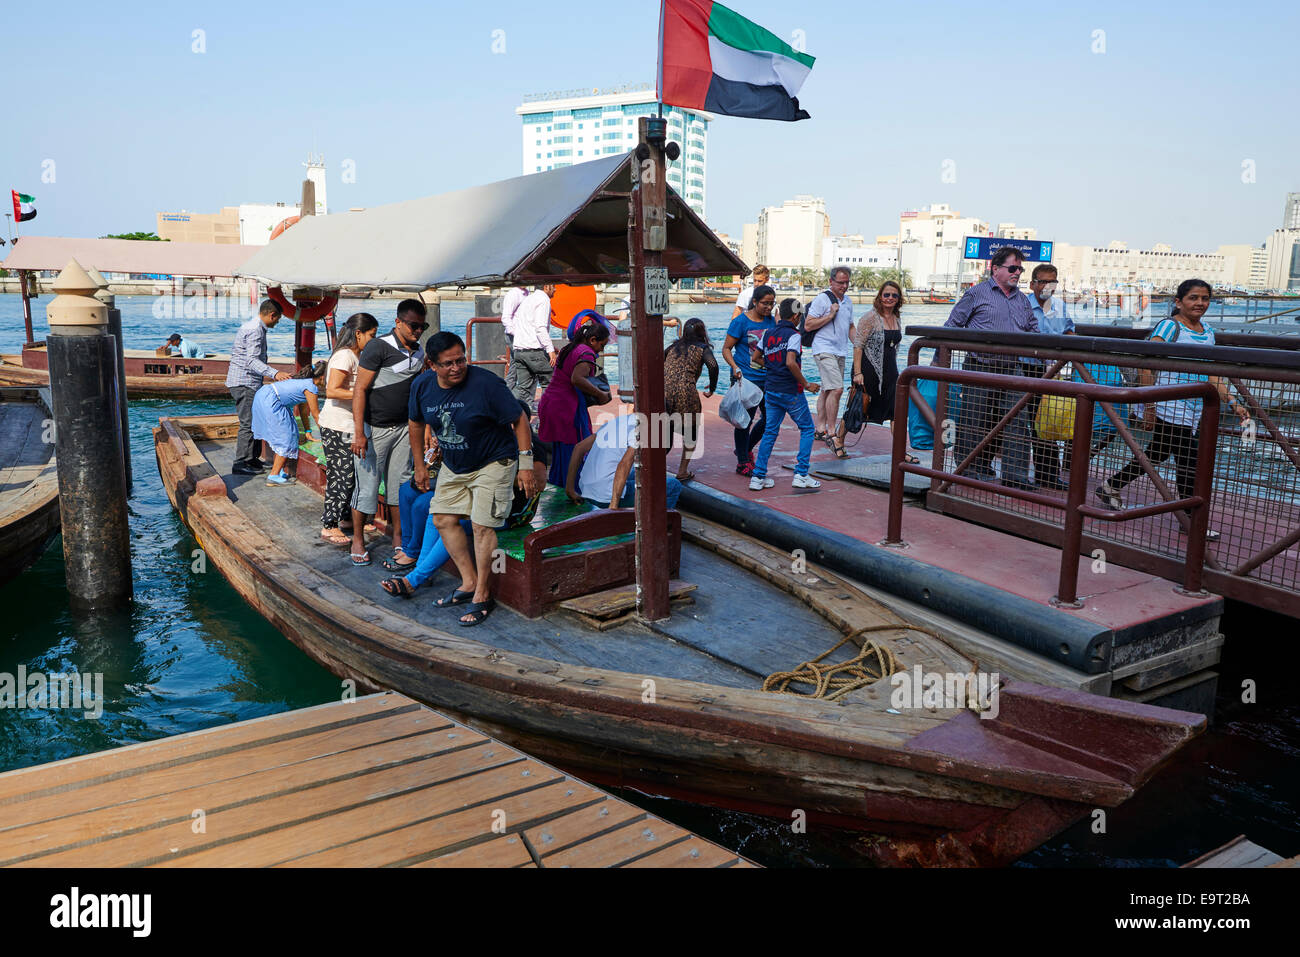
{"points": [[279, 478], [1108, 496], [243, 468], [1210, 534], [805, 481], [757, 484], [745, 468]]}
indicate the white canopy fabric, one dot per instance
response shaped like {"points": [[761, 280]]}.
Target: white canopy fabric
{"points": [[564, 225], [128, 255]]}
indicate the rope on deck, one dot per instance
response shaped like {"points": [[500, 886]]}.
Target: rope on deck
{"points": [[874, 660]]}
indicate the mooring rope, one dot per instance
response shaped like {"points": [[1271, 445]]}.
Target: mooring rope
{"points": [[874, 660]]}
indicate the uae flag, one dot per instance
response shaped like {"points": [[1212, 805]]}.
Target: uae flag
{"points": [[711, 58], [24, 206]]}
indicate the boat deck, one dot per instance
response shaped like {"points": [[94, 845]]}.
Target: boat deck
{"points": [[711, 641], [378, 781]]}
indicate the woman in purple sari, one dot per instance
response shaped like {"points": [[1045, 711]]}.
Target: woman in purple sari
{"points": [[562, 412]]}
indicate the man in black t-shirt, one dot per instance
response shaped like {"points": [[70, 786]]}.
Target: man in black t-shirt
{"points": [[387, 366], [486, 447]]}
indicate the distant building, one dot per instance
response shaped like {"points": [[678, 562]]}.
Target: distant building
{"points": [[749, 245], [1159, 268], [1251, 266], [856, 253], [248, 223], [1291, 212], [790, 236], [1283, 253], [1012, 231], [932, 246], [573, 126]]}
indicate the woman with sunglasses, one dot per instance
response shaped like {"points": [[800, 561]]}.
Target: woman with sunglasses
{"points": [[875, 361]]}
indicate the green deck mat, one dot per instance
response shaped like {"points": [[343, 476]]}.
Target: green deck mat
{"points": [[553, 507]]}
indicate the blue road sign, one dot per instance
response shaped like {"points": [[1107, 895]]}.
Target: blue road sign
{"points": [[983, 247]]}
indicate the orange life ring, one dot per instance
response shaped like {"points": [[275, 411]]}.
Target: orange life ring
{"points": [[304, 314]]}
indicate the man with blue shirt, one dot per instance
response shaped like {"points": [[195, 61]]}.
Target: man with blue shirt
{"points": [[177, 346], [996, 305], [487, 449], [1053, 320]]}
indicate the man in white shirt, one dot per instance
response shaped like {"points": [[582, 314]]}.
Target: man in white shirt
{"points": [[760, 275], [532, 353], [832, 317], [606, 460], [510, 302]]}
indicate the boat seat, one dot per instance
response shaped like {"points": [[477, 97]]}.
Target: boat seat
{"points": [[571, 550]]}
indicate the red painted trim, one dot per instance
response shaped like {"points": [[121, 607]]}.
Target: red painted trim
{"points": [[686, 66], [303, 314]]}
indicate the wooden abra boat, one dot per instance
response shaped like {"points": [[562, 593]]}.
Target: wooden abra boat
{"points": [[676, 707], [29, 484], [148, 376]]}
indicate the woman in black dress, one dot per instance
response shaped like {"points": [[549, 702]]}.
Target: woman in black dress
{"points": [[875, 359]]}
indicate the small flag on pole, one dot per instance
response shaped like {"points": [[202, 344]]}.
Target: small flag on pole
{"points": [[24, 206], [711, 58]]}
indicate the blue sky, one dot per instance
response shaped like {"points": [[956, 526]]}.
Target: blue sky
{"points": [[1144, 142]]}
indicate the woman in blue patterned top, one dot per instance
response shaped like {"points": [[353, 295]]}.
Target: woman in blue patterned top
{"points": [[1174, 423]]}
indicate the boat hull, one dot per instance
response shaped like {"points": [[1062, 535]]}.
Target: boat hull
{"points": [[29, 497]]}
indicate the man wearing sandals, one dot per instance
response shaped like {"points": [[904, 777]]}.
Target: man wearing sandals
{"points": [[830, 314], [487, 450]]}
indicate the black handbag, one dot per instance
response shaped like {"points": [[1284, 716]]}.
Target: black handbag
{"points": [[600, 381], [855, 416]]}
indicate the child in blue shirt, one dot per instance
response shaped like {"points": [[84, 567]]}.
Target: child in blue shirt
{"points": [[785, 388]]}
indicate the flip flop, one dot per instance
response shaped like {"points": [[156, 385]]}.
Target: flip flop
{"points": [[687, 477], [362, 559], [478, 612], [457, 597], [397, 587]]}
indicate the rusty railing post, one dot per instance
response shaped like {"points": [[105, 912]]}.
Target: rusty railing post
{"points": [[1067, 587]]}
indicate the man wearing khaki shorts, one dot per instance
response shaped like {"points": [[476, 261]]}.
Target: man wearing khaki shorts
{"points": [[830, 314], [487, 450]]}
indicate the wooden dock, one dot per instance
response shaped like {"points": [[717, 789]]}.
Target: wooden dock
{"points": [[379, 781]]}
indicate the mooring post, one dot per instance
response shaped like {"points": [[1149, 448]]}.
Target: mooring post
{"points": [[646, 240], [88, 444], [115, 330]]}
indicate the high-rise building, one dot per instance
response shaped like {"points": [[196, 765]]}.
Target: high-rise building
{"points": [[1283, 249], [932, 246], [1250, 269], [790, 235], [1291, 212], [573, 126]]}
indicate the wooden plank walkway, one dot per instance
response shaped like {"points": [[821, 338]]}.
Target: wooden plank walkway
{"points": [[380, 781]]}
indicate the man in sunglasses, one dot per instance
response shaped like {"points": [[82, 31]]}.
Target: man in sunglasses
{"points": [[995, 306], [381, 448]]}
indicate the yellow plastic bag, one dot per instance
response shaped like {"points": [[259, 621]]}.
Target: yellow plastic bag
{"points": [[1055, 421]]}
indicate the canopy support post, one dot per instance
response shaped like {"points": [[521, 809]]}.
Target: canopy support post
{"points": [[27, 306], [646, 240]]}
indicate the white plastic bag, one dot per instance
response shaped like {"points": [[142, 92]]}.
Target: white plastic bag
{"points": [[742, 397]]}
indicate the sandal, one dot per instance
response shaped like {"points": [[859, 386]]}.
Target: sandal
{"points": [[911, 460], [840, 451], [819, 435], [478, 612], [686, 478], [457, 597], [829, 440], [397, 587], [362, 559], [393, 565], [337, 538]]}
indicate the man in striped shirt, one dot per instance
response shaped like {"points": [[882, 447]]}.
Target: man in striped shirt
{"points": [[996, 305], [244, 377]]}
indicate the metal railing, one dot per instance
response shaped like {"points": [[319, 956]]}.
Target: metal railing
{"points": [[1074, 506], [1253, 473]]}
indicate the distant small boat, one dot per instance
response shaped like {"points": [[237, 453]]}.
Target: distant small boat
{"points": [[939, 298], [709, 297]]}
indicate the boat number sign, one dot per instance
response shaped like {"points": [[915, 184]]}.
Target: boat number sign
{"points": [[983, 247], [656, 290]]}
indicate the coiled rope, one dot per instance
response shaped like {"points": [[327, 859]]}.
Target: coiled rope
{"points": [[832, 681]]}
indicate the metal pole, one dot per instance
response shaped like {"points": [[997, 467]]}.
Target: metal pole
{"points": [[88, 446], [27, 305], [1067, 586], [646, 242]]}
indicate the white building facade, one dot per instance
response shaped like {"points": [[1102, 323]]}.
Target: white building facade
{"points": [[856, 253], [1282, 249], [932, 245], [573, 126], [1159, 268], [790, 236]]}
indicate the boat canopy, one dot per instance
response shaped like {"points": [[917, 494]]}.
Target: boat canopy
{"points": [[137, 256], [568, 225]]}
